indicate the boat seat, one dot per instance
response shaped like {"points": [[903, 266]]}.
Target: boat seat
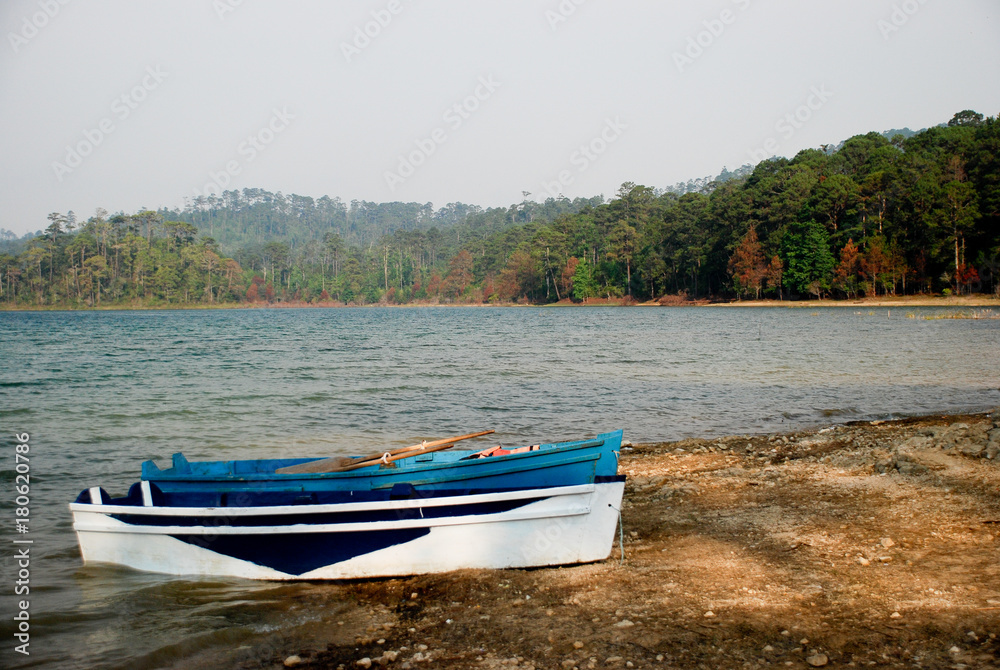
{"points": [[95, 495]]}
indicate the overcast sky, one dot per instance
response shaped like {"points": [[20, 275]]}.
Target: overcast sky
{"points": [[123, 104]]}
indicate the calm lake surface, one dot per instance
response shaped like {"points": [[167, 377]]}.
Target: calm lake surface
{"points": [[99, 392]]}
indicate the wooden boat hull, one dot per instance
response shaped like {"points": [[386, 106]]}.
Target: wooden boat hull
{"points": [[556, 464], [378, 538]]}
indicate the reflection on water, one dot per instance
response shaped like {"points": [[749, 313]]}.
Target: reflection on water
{"points": [[100, 392]]}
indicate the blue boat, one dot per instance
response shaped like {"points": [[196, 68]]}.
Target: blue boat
{"points": [[532, 467]]}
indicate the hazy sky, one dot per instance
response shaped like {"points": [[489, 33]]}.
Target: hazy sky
{"points": [[125, 104]]}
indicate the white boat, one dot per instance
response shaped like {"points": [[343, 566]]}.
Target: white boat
{"points": [[402, 532]]}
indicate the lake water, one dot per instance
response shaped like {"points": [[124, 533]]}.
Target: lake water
{"points": [[99, 392]]}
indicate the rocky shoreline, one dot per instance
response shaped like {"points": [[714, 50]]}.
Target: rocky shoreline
{"points": [[870, 544]]}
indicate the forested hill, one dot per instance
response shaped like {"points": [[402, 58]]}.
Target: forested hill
{"points": [[875, 216], [255, 217]]}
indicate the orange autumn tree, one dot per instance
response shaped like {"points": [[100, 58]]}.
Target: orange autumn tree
{"points": [[747, 265], [775, 271], [459, 276], [845, 276]]}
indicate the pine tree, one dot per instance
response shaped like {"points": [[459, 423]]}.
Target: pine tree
{"points": [[808, 260], [583, 281]]}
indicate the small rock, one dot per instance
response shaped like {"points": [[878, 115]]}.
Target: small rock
{"points": [[568, 663], [863, 561], [611, 660], [885, 559], [413, 596], [768, 648], [818, 660], [887, 542], [293, 661], [421, 647], [895, 615], [578, 645], [994, 443], [389, 657], [885, 464], [709, 614], [910, 467], [917, 442], [364, 662], [785, 633], [954, 650], [624, 623], [974, 449]]}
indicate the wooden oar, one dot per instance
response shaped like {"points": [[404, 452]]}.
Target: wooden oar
{"points": [[389, 459], [337, 464], [406, 452]]}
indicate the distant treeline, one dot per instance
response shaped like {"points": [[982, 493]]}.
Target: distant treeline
{"points": [[875, 216]]}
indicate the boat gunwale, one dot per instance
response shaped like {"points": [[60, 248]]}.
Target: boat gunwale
{"points": [[327, 528], [404, 504], [375, 470]]}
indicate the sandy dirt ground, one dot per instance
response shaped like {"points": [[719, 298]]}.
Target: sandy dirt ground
{"points": [[861, 545]]}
